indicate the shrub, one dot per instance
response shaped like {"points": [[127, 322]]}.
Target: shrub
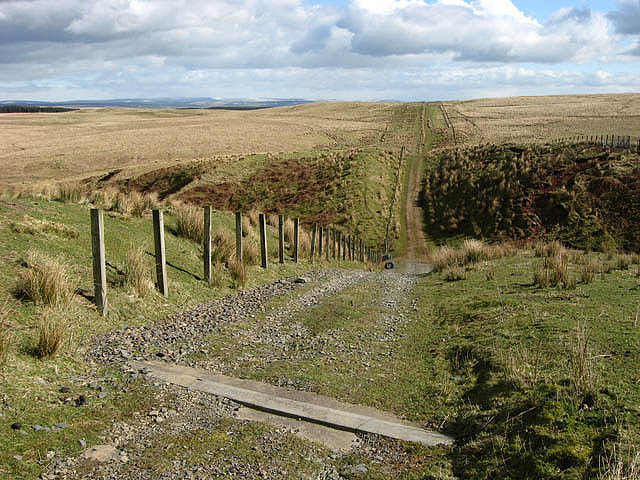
{"points": [[52, 333], [137, 273], [46, 281], [189, 222], [238, 274], [70, 192]]}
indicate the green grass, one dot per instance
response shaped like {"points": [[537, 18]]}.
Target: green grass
{"points": [[27, 401], [491, 362]]}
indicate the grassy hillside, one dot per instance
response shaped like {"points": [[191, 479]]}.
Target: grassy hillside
{"points": [[60, 234]]}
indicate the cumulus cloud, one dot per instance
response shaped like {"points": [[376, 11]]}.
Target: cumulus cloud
{"points": [[122, 44]]}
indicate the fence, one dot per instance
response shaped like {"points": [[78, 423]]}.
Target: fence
{"points": [[335, 244], [610, 141]]}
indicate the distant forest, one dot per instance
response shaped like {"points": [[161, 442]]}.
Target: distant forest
{"points": [[33, 109]]}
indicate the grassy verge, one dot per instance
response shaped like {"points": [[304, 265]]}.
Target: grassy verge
{"points": [[31, 389], [532, 382]]}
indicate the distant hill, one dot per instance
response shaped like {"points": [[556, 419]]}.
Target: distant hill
{"points": [[198, 102]]}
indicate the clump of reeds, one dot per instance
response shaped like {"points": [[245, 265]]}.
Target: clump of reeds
{"points": [[217, 275], [45, 281], [137, 272], [454, 273], [620, 464], [588, 271], [583, 374], [238, 273], [52, 332], [70, 192], [223, 247], [189, 222]]}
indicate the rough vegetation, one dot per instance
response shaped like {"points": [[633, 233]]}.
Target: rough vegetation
{"points": [[583, 195]]}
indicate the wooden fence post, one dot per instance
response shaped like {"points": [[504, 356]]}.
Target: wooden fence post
{"points": [[314, 237], [161, 259], [320, 235], [328, 242], [296, 239], [206, 243], [334, 237], [239, 249], [263, 241], [99, 268], [281, 238], [344, 247]]}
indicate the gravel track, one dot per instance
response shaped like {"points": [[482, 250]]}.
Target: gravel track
{"points": [[177, 338]]}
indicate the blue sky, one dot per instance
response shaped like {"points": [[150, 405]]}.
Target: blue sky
{"points": [[316, 49]]}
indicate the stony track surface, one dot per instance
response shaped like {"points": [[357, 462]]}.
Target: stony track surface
{"points": [[182, 339]]}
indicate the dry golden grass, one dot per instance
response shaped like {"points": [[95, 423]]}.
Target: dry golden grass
{"points": [[189, 222], [35, 226], [45, 281], [238, 273], [539, 119], [53, 329], [137, 272], [91, 142]]}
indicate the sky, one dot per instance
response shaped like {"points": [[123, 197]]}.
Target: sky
{"points": [[316, 49]]}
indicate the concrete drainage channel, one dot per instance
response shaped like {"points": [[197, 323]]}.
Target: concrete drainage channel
{"points": [[311, 416]]}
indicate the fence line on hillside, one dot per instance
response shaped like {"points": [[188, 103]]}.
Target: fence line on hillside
{"points": [[337, 245], [611, 141]]}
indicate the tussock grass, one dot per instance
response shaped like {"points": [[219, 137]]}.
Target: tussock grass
{"points": [[189, 222], [623, 262], [254, 217], [34, 226], [137, 272], [218, 277], [272, 219], [304, 239], [470, 252], [588, 270], [238, 273], [247, 227], [619, 465], [53, 329], [70, 192], [583, 374], [454, 273], [223, 247], [251, 251], [289, 231], [45, 281]]}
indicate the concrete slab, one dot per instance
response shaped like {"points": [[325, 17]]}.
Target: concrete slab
{"points": [[336, 440], [294, 404]]}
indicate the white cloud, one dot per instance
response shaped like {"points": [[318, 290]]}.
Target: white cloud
{"points": [[131, 44]]}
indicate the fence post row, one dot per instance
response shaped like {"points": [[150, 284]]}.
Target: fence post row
{"points": [[99, 267], [281, 238], [263, 241], [206, 243], [161, 260], [296, 239]]}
